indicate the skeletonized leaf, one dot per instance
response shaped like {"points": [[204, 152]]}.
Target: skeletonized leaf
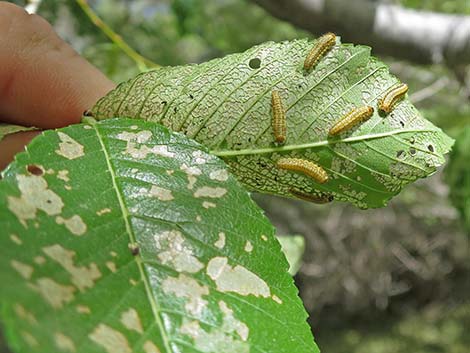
{"points": [[122, 237], [225, 104]]}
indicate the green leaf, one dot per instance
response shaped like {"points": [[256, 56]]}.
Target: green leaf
{"points": [[225, 104], [123, 237], [458, 175], [293, 246], [7, 129]]}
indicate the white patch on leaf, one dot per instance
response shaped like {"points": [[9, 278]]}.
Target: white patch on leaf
{"points": [[207, 191], [111, 266], [192, 173], [150, 347], [29, 339], [248, 246], [131, 320], [83, 277], [141, 152], [68, 147], [52, 292], [277, 299], [219, 175], [35, 195], [173, 251], [160, 193], [25, 314], [188, 288], [26, 271], [199, 157], [231, 324], [214, 341], [103, 211], [220, 243], [63, 342], [15, 239], [110, 339], [236, 279], [207, 204], [83, 309], [63, 175], [40, 260], [74, 224]]}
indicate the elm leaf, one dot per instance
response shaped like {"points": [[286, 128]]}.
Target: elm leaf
{"points": [[225, 104], [121, 237]]}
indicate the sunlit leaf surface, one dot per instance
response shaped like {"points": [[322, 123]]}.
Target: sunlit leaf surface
{"points": [[122, 237]]}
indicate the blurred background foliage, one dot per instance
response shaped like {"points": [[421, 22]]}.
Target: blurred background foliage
{"points": [[391, 280]]}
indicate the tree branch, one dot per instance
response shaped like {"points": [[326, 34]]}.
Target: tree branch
{"points": [[418, 36]]}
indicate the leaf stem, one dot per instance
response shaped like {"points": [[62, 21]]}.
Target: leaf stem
{"points": [[142, 63]]}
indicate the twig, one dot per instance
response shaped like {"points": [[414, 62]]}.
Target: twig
{"points": [[429, 91], [142, 63]]}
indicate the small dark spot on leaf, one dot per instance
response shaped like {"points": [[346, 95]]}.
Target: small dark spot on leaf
{"points": [[401, 154], [175, 109], [402, 123], [48, 201], [299, 86], [134, 248], [191, 96], [164, 102], [35, 170], [431, 148], [412, 151], [255, 63]]}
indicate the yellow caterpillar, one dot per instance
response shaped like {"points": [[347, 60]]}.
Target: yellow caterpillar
{"points": [[303, 166], [392, 96], [351, 119], [279, 118], [323, 44]]}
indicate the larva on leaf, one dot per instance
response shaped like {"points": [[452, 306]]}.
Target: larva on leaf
{"points": [[392, 96], [304, 166], [351, 119], [321, 47], [279, 118], [320, 199]]}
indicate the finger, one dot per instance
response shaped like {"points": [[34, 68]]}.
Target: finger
{"points": [[43, 81], [12, 144]]}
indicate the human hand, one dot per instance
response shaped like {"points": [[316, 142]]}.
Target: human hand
{"points": [[43, 81]]}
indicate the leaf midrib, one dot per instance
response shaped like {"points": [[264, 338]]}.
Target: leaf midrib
{"points": [[249, 151], [132, 239]]}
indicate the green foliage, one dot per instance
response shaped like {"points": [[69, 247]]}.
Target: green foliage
{"points": [[436, 330], [225, 104], [120, 236], [458, 175]]}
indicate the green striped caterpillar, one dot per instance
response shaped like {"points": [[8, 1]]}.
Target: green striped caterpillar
{"points": [[321, 47], [392, 96], [304, 166], [279, 118], [351, 119]]}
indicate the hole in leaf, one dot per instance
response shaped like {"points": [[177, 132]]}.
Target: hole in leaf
{"points": [[255, 63], [400, 154], [35, 170]]}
